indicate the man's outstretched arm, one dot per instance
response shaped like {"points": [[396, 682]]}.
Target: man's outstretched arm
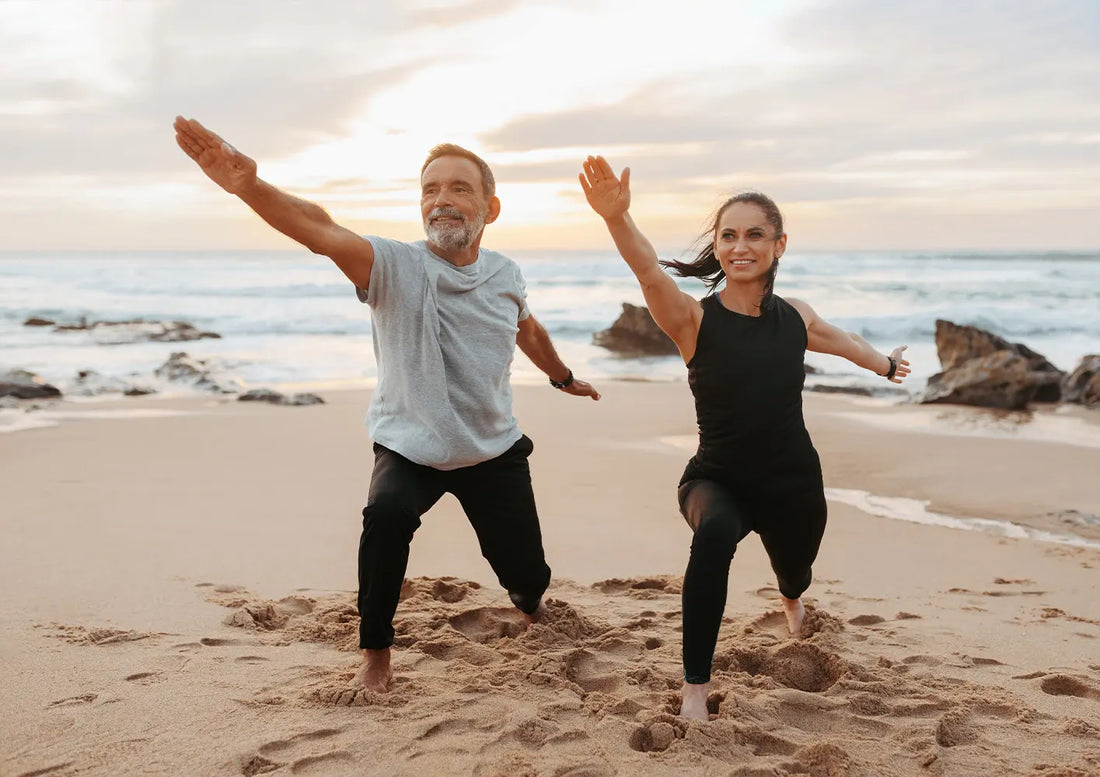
{"points": [[296, 218]]}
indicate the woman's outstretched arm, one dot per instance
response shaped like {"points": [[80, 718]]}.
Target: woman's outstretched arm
{"points": [[676, 313], [823, 337]]}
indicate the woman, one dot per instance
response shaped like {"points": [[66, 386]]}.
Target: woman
{"points": [[755, 469]]}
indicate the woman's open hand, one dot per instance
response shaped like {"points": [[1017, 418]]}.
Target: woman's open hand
{"points": [[609, 196], [902, 371]]}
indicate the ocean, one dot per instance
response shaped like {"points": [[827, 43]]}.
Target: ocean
{"points": [[289, 317]]}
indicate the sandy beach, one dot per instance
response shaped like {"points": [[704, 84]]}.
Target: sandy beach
{"points": [[179, 577]]}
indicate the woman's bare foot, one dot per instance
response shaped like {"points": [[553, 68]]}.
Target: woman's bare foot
{"points": [[376, 673], [693, 703], [795, 614]]}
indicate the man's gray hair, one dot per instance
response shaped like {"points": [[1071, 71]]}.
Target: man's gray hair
{"points": [[488, 182]]}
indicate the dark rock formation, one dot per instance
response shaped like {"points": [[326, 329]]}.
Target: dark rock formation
{"points": [[859, 391], [980, 368], [181, 368], [1083, 384], [276, 398], [89, 383], [26, 385], [261, 395], [635, 333], [138, 330], [1001, 379], [957, 344], [33, 321]]}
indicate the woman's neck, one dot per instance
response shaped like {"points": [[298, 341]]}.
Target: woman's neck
{"points": [[743, 298]]}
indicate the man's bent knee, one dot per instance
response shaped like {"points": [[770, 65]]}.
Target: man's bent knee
{"points": [[389, 517]]}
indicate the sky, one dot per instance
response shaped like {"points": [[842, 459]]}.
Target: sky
{"points": [[931, 125]]}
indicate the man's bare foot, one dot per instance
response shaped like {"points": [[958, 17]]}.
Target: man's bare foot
{"points": [[376, 673], [795, 614], [694, 701], [536, 616]]}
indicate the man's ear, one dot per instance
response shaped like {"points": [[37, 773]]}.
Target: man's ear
{"points": [[493, 211]]}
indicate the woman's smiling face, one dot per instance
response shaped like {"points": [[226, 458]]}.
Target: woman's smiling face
{"points": [[745, 242]]}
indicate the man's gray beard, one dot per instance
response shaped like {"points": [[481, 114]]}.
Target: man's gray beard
{"points": [[453, 237]]}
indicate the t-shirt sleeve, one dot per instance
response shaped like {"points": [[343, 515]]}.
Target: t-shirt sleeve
{"points": [[521, 284], [383, 270]]}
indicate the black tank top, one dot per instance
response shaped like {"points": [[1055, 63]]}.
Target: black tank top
{"points": [[747, 376]]}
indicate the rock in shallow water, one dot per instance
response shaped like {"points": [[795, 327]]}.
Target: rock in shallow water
{"points": [[276, 398], [138, 330], [26, 385], [635, 333], [89, 383], [197, 373], [1083, 384]]}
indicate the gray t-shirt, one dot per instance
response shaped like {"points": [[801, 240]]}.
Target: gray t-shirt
{"points": [[444, 338]]}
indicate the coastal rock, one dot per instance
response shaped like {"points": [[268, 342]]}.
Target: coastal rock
{"points": [[980, 368], [34, 321], [957, 344], [277, 398], [635, 333], [824, 388], [1001, 379], [26, 385], [261, 395], [182, 368], [137, 330], [1083, 384], [89, 383], [304, 398]]}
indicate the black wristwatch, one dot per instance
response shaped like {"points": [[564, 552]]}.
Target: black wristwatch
{"points": [[560, 384]]}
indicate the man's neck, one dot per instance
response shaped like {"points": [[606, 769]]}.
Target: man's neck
{"points": [[462, 257]]}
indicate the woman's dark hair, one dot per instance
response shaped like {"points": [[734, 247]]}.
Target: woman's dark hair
{"points": [[706, 266]]}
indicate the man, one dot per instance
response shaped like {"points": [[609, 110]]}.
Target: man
{"points": [[446, 317]]}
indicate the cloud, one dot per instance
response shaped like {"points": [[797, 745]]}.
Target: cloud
{"points": [[908, 87], [277, 81]]}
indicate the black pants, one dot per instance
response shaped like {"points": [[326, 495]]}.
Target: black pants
{"points": [[497, 498], [790, 522]]}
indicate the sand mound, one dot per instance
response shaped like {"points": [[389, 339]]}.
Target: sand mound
{"points": [[591, 689]]}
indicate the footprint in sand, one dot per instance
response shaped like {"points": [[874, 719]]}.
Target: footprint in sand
{"points": [[488, 624], [306, 753], [1064, 685], [866, 620], [641, 587], [145, 678], [73, 701], [591, 673], [804, 667]]}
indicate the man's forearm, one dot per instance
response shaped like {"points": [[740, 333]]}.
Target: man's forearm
{"points": [[539, 348], [298, 219]]}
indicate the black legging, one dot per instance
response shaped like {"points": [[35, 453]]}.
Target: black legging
{"points": [[497, 498], [790, 523]]}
